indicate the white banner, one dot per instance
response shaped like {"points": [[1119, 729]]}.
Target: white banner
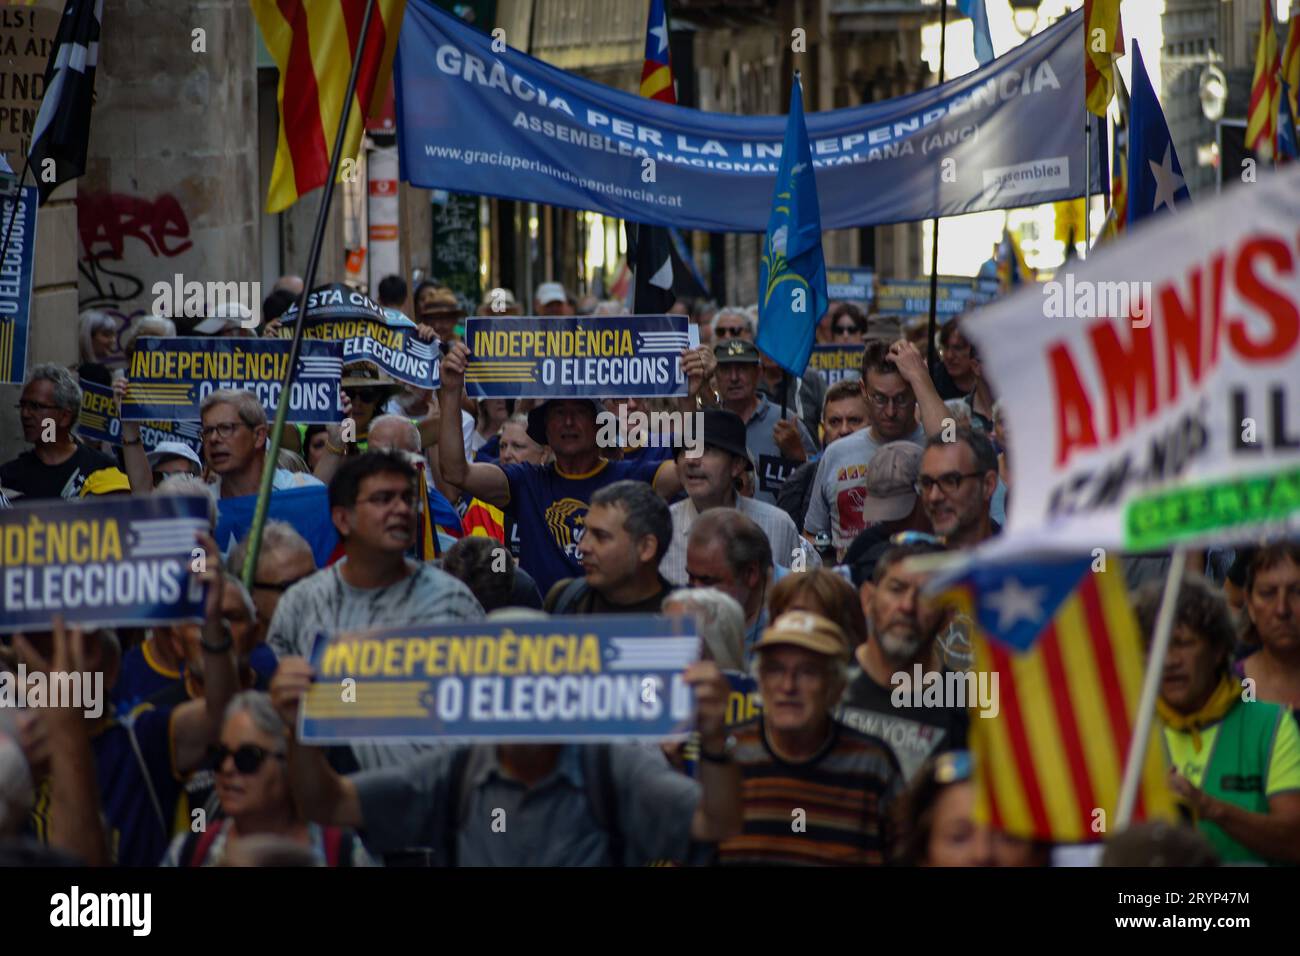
{"points": [[1153, 395]]}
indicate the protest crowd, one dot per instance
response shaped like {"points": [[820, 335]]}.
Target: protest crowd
{"points": [[801, 591], [332, 600]]}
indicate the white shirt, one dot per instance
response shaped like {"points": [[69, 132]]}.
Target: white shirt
{"points": [[781, 533]]}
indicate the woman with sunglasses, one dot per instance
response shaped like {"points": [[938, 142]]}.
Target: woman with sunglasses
{"points": [[251, 765], [937, 824]]}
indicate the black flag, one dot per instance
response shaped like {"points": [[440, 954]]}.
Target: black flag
{"points": [[59, 139], [661, 275]]}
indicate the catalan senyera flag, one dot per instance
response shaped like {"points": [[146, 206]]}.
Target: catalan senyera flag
{"points": [[1261, 115], [485, 521], [657, 73], [313, 42], [1100, 51], [1291, 64], [1066, 647]]}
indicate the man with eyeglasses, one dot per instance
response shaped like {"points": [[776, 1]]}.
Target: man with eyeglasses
{"points": [[956, 486], [372, 501], [798, 762], [903, 628], [894, 383], [57, 465], [235, 436]]}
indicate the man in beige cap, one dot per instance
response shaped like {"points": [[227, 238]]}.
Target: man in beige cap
{"points": [[801, 768]]}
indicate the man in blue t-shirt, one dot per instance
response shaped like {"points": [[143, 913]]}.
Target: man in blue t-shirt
{"points": [[549, 502]]}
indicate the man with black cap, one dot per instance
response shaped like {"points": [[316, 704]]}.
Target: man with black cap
{"points": [[777, 448], [711, 481], [550, 502]]}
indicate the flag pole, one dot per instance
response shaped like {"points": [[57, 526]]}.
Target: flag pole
{"points": [[317, 240], [1087, 180], [934, 243], [1137, 746]]}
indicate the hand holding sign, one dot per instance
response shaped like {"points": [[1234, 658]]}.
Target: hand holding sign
{"points": [[698, 365], [453, 366], [711, 693], [289, 686], [130, 430]]}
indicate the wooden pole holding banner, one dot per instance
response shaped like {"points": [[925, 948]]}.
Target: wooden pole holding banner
{"points": [[1137, 746], [309, 279], [934, 243]]}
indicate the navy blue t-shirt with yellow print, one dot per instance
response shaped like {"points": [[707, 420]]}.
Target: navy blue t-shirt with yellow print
{"points": [[136, 836], [550, 508]]}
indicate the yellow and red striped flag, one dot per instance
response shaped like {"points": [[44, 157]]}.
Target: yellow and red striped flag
{"points": [[1117, 219], [657, 72], [1065, 646], [1261, 115], [1291, 63], [1103, 41], [313, 43]]}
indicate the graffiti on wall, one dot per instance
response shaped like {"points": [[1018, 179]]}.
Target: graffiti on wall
{"points": [[111, 225]]}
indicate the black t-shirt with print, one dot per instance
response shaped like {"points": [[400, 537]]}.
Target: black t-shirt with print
{"points": [[35, 479]]}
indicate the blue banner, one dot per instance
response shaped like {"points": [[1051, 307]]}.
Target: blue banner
{"points": [[577, 357], [505, 124], [563, 678], [307, 509], [912, 297], [106, 562], [335, 313], [850, 283], [170, 377], [836, 362], [16, 282], [98, 421]]}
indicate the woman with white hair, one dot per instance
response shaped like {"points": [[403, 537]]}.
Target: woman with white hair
{"points": [[97, 336], [252, 769]]}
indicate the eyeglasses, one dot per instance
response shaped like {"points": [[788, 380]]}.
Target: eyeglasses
{"points": [[846, 330], [898, 401], [382, 499], [954, 766], [948, 483], [248, 757], [223, 429], [367, 395], [29, 406], [802, 673]]}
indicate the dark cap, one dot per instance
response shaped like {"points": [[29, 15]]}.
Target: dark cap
{"points": [[736, 352], [537, 417], [722, 429]]}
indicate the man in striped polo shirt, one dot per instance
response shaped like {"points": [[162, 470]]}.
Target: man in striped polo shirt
{"points": [[815, 791]]}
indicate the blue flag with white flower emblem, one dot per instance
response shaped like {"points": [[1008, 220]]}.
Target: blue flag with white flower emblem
{"points": [[1155, 177], [792, 272]]}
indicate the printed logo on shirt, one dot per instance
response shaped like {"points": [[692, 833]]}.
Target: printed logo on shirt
{"points": [[848, 504], [911, 741], [773, 471], [852, 473], [567, 519]]}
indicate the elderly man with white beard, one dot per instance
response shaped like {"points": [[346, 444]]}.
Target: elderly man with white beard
{"points": [[711, 480]]}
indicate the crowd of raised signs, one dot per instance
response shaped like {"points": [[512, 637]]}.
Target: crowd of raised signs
{"points": [[784, 535]]}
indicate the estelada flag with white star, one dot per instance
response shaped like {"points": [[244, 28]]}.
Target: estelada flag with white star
{"points": [[1155, 177], [1064, 643]]}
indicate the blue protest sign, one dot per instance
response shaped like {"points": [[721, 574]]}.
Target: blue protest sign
{"points": [[307, 509], [394, 348], [579, 357], [850, 283], [169, 378], [16, 281], [836, 362], [102, 562], [562, 678], [474, 120], [98, 421], [912, 297]]}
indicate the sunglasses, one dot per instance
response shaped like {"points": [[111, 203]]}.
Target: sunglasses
{"points": [[248, 758], [915, 537], [846, 329], [282, 586], [367, 395]]}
